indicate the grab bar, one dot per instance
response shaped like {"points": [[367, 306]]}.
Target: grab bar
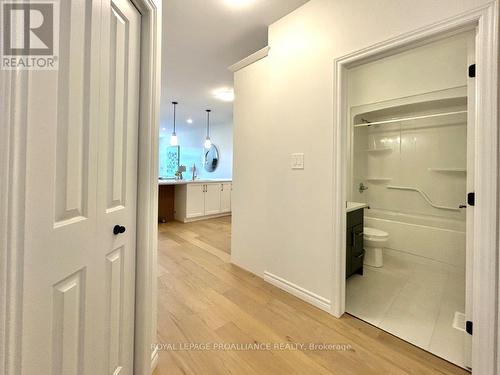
{"points": [[425, 196]]}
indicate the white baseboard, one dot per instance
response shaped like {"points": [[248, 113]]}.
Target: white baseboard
{"points": [[154, 360], [304, 294], [199, 218]]}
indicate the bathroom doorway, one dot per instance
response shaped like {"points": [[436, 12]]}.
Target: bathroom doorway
{"points": [[409, 169]]}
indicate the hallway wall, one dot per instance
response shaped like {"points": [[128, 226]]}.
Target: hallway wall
{"points": [[191, 140], [282, 218]]}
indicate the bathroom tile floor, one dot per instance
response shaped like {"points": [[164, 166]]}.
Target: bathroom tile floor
{"points": [[413, 298]]}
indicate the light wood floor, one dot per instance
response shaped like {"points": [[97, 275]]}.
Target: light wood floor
{"points": [[203, 298]]}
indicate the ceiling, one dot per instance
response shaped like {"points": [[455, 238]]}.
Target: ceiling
{"points": [[201, 38]]}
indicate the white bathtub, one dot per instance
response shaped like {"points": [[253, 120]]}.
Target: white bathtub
{"points": [[435, 238]]}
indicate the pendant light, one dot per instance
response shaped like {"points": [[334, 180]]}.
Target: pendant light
{"points": [[208, 142], [173, 138]]}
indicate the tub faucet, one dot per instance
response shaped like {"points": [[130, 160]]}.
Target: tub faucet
{"points": [[362, 188]]}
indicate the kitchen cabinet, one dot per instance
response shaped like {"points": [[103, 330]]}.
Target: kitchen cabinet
{"points": [[212, 199], [196, 201], [225, 197]]}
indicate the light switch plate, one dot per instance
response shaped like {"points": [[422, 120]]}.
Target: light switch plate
{"points": [[297, 161]]}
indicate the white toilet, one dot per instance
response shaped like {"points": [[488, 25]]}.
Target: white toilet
{"points": [[374, 243]]}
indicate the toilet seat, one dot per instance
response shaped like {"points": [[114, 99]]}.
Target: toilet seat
{"points": [[372, 234]]}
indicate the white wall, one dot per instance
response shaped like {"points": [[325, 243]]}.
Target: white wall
{"points": [[432, 67], [283, 223], [252, 184], [191, 139]]}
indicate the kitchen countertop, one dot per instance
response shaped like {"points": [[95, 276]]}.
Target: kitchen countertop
{"points": [[185, 182], [353, 206]]}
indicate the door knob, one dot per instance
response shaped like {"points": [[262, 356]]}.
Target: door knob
{"points": [[118, 229]]}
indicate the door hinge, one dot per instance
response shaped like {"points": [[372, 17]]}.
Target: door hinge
{"points": [[472, 71], [468, 327], [471, 199]]}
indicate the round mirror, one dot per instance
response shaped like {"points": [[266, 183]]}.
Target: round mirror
{"points": [[211, 158]]}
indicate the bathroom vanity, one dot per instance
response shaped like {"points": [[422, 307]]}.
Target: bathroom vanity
{"points": [[354, 238]]}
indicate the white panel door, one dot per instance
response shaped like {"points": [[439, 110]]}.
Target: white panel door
{"points": [[78, 282], [117, 181], [62, 308], [195, 200], [225, 197], [212, 199]]}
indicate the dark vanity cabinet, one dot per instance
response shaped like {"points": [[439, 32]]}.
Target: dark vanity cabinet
{"points": [[354, 243]]}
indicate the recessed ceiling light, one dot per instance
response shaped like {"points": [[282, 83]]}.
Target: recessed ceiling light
{"points": [[225, 94], [189, 120], [238, 3]]}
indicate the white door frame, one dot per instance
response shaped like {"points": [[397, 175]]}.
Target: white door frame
{"points": [[13, 88], [145, 359], [485, 263]]}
